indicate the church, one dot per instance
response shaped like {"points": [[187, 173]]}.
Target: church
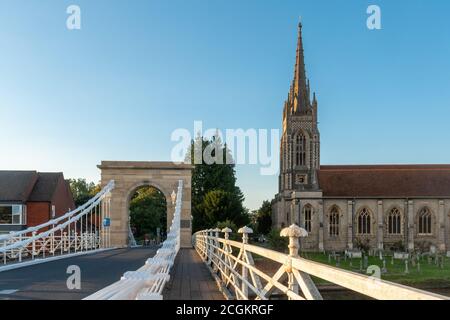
{"points": [[345, 207]]}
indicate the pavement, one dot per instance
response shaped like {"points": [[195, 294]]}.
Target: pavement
{"points": [[48, 281]]}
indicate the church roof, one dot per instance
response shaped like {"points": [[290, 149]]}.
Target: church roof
{"points": [[386, 181]]}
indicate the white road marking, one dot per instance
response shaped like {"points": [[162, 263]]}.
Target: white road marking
{"points": [[7, 292]]}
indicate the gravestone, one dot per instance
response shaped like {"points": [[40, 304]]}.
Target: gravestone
{"points": [[366, 262], [353, 253], [401, 255], [432, 249], [406, 267], [413, 262], [384, 269]]}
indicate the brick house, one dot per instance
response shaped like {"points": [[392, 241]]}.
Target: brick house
{"points": [[29, 198]]}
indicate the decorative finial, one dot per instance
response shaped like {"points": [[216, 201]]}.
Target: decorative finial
{"points": [[245, 230], [294, 231]]}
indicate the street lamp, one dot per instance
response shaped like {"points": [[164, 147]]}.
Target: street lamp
{"points": [[174, 197]]}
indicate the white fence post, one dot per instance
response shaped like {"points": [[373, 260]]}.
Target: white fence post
{"points": [[245, 232], [33, 246]]}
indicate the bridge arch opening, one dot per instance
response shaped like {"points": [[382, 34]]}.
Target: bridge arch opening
{"points": [[147, 207]]}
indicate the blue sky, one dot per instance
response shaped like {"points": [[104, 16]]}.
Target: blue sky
{"points": [[137, 70]]}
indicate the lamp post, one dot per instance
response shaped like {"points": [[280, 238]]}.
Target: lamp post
{"points": [[173, 196]]}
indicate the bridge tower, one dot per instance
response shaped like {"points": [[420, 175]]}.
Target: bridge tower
{"points": [[129, 176]]}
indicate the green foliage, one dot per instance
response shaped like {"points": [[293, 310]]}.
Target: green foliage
{"points": [[362, 244], [227, 224], [397, 247], [276, 241], [219, 205], [215, 196], [82, 190], [264, 218], [148, 212]]}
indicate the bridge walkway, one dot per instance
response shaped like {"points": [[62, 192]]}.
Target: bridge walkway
{"points": [[190, 279]]}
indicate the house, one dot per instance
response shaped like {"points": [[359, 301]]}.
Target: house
{"points": [[30, 198]]}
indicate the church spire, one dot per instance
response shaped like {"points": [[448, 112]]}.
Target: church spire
{"points": [[300, 83]]}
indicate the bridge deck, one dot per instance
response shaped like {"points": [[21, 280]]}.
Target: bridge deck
{"points": [[190, 279], [48, 280]]}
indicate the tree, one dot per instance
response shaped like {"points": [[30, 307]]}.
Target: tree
{"points": [[215, 196], [276, 241], [219, 206], [264, 218], [148, 212], [82, 190]]}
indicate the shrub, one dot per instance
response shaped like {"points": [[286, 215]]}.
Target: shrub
{"points": [[277, 242], [363, 244]]}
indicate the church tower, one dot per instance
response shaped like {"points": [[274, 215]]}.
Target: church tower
{"points": [[300, 142]]}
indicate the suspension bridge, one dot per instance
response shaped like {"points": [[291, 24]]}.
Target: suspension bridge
{"points": [[207, 265]]}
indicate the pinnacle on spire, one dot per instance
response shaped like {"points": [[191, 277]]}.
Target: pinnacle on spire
{"points": [[300, 84]]}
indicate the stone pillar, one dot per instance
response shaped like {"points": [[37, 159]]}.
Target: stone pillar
{"points": [[441, 226], [380, 233], [294, 211], [186, 215], [411, 229], [321, 237], [405, 224], [350, 225], [282, 212]]}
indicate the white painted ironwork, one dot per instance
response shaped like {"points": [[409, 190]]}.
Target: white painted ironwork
{"points": [[232, 264], [131, 240], [147, 283], [79, 230]]}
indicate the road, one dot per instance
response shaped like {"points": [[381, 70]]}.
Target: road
{"points": [[48, 281]]}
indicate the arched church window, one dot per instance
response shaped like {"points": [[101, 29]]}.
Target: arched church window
{"points": [[364, 220], [334, 222], [425, 222], [307, 213], [300, 149], [394, 222]]}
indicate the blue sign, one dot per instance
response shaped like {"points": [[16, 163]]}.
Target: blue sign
{"points": [[106, 222]]}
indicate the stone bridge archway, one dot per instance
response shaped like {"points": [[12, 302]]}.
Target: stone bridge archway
{"points": [[129, 176]]}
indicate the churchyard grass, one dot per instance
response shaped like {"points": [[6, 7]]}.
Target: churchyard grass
{"points": [[428, 274]]}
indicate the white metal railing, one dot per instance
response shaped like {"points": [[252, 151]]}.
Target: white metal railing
{"points": [[232, 264], [79, 230], [147, 283]]}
